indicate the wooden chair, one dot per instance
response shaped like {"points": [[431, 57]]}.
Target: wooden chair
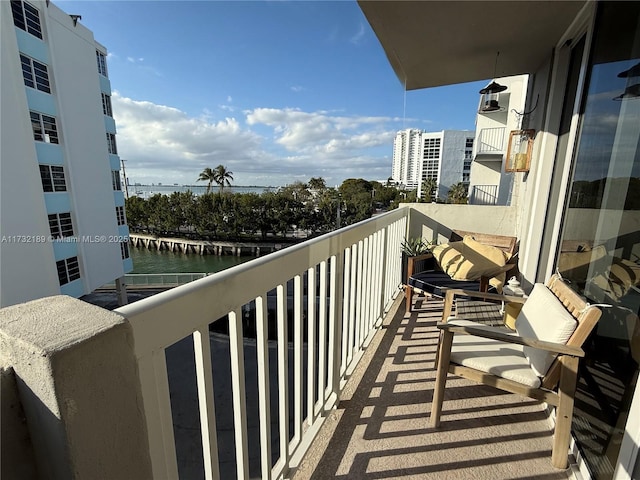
{"points": [[509, 361], [425, 276]]}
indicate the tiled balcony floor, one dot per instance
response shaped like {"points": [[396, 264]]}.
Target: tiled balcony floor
{"points": [[381, 427]]}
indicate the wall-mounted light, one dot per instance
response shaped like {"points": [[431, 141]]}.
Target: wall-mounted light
{"points": [[490, 93]]}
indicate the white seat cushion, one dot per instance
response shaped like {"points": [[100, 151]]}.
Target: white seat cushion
{"points": [[502, 359], [544, 317]]}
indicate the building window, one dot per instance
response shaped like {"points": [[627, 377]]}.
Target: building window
{"points": [[35, 74], [26, 17], [102, 63], [106, 105], [124, 249], [52, 178], [44, 128], [111, 143], [120, 216], [469, 143], [115, 180], [68, 270], [60, 225]]}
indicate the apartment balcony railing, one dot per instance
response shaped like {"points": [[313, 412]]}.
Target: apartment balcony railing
{"points": [[314, 307], [484, 195], [490, 141]]}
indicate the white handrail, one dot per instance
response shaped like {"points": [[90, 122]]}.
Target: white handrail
{"points": [[358, 272]]}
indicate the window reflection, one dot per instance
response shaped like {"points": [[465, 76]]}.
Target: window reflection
{"points": [[600, 248]]}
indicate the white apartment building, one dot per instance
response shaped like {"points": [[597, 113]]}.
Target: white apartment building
{"points": [[444, 156], [490, 184], [62, 221]]}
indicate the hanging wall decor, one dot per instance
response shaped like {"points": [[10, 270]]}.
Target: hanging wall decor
{"points": [[519, 151]]}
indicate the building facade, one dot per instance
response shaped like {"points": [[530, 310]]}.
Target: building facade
{"points": [[62, 221], [442, 156], [490, 184]]}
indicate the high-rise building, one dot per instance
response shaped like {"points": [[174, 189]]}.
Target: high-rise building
{"points": [[62, 221], [443, 156]]}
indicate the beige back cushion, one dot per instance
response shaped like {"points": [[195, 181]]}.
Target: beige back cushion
{"points": [[544, 317]]}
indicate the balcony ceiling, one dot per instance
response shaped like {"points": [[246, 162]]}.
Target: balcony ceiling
{"points": [[434, 43]]}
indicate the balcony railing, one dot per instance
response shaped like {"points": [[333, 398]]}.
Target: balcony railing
{"points": [[329, 293], [490, 141], [484, 195]]}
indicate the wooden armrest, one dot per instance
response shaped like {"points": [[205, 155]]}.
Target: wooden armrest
{"points": [[411, 261], [507, 337], [491, 297]]}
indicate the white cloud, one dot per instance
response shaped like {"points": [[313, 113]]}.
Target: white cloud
{"points": [[358, 37], [164, 144]]}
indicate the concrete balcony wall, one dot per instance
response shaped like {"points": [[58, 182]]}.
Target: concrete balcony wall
{"points": [[435, 221]]}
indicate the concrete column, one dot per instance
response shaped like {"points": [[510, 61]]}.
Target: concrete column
{"points": [[78, 383], [121, 291]]}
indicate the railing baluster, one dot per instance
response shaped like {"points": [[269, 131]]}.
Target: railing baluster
{"points": [[345, 310], [297, 361], [264, 399], [353, 251], [157, 406], [238, 389], [359, 312], [283, 375], [322, 335], [335, 326], [311, 344], [204, 377]]}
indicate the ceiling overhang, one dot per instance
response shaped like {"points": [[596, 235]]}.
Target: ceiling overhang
{"points": [[434, 43]]}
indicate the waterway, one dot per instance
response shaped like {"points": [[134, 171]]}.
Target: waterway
{"points": [[163, 261], [146, 191]]}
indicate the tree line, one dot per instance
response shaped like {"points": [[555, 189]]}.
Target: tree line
{"points": [[311, 208]]}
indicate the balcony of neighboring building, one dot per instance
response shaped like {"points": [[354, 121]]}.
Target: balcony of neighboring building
{"points": [[490, 144]]}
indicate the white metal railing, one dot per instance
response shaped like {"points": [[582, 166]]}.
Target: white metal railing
{"points": [[490, 141], [484, 195], [336, 288]]}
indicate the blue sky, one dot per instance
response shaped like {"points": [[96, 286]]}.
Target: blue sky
{"points": [[276, 91]]}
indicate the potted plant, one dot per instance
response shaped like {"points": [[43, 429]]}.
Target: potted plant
{"points": [[413, 247]]}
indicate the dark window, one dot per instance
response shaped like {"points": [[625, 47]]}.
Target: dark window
{"points": [[106, 105], [26, 17], [44, 128], [68, 270], [52, 178], [115, 180], [124, 249], [102, 63], [120, 216], [35, 74], [60, 225], [111, 143]]}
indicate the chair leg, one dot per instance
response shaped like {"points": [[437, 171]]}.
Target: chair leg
{"points": [[564, 410], [444, 355], [408, 297]]}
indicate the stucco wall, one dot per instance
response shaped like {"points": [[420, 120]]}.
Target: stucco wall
{"points": [[434, 221]]}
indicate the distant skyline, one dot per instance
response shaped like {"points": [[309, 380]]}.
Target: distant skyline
{"points": [[276, 91]]}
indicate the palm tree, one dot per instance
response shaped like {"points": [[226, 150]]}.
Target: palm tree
{"points": [[207, 175], [222, 176], [458, 193], [429, 187]]}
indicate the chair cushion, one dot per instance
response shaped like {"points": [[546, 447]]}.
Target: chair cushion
{"points": [[437, 283], [469, 260], [502, 359], [544, 317]]}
